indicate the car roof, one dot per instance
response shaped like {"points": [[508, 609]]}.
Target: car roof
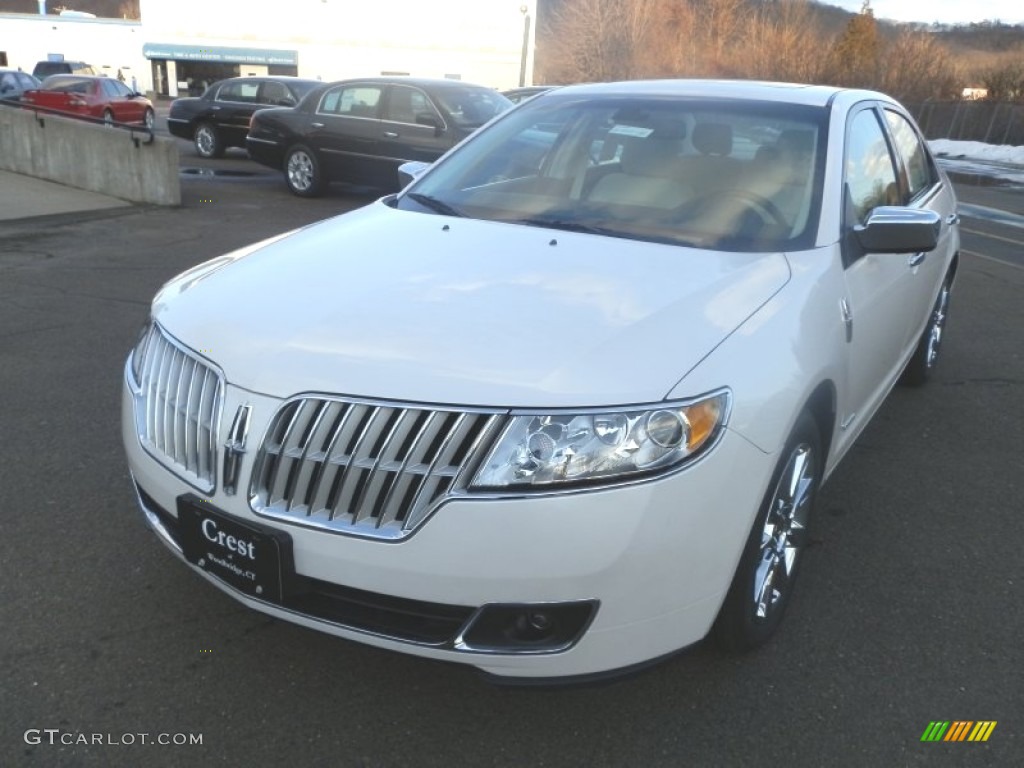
{"points": [[428, 82], [73, 76], [747, 90], [284, 78]]}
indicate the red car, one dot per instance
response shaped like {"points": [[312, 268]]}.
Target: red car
{"points": [[91, 96]]}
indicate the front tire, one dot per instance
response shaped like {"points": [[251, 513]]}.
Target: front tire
{"points": [[108, 118], [208, 141], [766, 574], [302, 172], [926, 354], [149, 119]]}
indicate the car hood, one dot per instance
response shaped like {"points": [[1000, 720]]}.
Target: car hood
{"points": [[382, 303]]}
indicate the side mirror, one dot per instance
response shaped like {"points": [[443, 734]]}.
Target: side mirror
{"points": [[409, 172], [892, 229], [430, 121]]}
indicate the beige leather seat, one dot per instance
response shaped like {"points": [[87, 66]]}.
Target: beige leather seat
{"points": [[649, 176]]}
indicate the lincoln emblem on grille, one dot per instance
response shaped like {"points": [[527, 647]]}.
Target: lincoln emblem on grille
{"points": [[234, 448]]}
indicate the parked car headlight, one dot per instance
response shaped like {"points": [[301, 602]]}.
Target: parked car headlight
{"points": [[139, 350], [549, 449]]}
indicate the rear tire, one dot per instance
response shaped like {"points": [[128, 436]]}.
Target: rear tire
{"points": [[149, 119], [302, 172], [108, 118], [208, 141], [766, 574], [926, 355]]}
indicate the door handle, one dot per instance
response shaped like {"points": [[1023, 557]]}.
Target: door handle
{"points": [[916, 260], [952, 219], [215, 109], [390, 135], [317, 125]]}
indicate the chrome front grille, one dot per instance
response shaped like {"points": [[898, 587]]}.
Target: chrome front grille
{"points": [[177, 405], [368, 469]]}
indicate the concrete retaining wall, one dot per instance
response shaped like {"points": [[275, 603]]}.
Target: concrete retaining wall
{"points": [[88, 156]]}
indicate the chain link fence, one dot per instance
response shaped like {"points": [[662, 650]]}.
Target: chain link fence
{"points": [[991, 122]]}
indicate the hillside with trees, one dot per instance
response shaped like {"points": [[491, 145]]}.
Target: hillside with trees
{"points": [[786, 40]]}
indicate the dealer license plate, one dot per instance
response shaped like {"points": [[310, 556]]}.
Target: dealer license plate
{"points": [[253, 559]]}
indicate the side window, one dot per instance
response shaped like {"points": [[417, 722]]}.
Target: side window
{"points": [[870, 175], [409, 105], [7, 82], [240, 91], [276, 94], [352, 101], [915, 158], [110, 89]]}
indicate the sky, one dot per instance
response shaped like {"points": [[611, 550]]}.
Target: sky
{"points": [[944, 11]]}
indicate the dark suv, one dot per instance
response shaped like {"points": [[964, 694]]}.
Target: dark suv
{"points": [[360, 131], [44, 69]]}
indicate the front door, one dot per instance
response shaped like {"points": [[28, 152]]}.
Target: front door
{"points": [[411, 127], [878, 285], [345, 131]]}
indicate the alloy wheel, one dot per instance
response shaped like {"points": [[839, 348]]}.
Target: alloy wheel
{"points": [[936, 326], [784, 532], [300, 171]]}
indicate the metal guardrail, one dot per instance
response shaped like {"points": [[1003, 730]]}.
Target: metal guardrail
{"points": [[990, 122], [136, 131]]}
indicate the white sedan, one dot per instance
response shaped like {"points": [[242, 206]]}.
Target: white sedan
{"points": [[562, 406]]}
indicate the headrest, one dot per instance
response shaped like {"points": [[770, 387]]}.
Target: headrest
{"points": [[713, 138], [796, 140]]}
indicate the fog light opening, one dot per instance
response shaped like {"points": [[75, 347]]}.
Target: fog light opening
{"points": [[538, 628]]}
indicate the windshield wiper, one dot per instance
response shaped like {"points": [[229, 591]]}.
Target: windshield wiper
{"points": [[438, 206], [590, 229], [570, 226]]}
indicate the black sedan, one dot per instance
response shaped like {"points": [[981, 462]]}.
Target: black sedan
{"points": [[220, 117], [360, 131]]}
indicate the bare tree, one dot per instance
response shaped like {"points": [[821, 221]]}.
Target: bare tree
{"points": [[129, 9], [919, 67], [595, 40], [775, 46]]}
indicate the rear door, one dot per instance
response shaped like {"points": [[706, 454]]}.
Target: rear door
{"points": [[344, 131]]}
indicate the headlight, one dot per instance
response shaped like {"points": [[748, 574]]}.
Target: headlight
{"points": [[548, 449], [139, 351]]}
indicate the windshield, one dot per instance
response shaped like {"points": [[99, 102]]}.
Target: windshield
{"points": [[471, 107], [741, 176]]}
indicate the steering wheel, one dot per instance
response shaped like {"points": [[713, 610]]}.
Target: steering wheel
{"points": [[737, 202]]}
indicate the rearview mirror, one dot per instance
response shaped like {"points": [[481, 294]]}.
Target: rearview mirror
{"points": [[893, 229]]}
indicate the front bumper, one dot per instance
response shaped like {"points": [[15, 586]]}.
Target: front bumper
{"points": [[657, 557]]}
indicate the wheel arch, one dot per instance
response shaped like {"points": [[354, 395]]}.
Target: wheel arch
{"points": [[822, 405]]}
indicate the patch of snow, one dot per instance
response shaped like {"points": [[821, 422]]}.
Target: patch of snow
{"points": [[976, 150]]}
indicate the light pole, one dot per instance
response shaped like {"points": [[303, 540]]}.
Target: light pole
{"points": [[523, 9]]}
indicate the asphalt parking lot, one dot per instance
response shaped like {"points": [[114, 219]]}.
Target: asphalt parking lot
{"points": [[908, 611]]}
